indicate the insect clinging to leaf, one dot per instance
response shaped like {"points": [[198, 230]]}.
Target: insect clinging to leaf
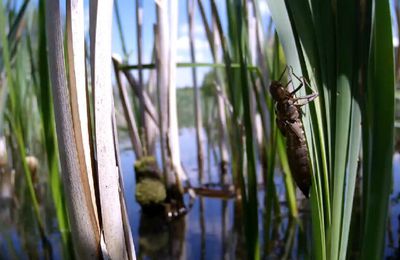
{"points": [[288, 118]]}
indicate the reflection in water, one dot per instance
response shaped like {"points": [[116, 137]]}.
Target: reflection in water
{"points": [[202, 230], [214, 238], [214, 227], [354, 245], [7, 248], [211, 230], [19, 235], [7, 183], [397, 252], [159, 239], [288, 240], [239, 242], [393, 242], [224, 238]]}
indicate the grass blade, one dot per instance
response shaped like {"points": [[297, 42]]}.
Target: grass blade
{"points": [[379, 149]]}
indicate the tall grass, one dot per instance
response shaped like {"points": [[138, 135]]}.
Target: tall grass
{"points": [[242, 81], [45, 101], [342, 48], [29, 58], [378, 130], [335, 46], [19, 93], [234, 50]]}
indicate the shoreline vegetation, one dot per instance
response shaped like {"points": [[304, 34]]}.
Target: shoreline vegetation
{"points": [[68, 103]]}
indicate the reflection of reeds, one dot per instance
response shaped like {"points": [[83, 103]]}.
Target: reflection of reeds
{"points": [[203, 229], [243, 82], [344, 62], [160, 239]]}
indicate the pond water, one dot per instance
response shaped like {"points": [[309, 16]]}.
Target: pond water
{"points": [[210, 230], [393, 237]]}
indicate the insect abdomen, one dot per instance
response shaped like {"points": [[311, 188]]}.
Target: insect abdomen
{"points": [[288, 118], [298, 161]]}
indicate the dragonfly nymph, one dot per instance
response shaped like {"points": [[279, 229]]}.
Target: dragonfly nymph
{"points": [[288, 118]]}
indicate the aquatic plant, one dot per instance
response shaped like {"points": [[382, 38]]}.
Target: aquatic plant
{"points": [[94, 194], [340, 49], [344, 50]]}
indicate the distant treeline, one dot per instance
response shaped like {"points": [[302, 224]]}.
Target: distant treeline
{"points": [[185, 100]]}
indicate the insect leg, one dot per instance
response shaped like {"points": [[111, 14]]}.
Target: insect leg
{"points": [[302, 79], [297, 89], [283, 73], [287, 84], [297, 77], [306, 83], [306, 99]]}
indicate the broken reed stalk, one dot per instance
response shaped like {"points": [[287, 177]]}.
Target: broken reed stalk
{"points": [[125, 219], [161, 94], [197, 108], [173, 114], [108, 184], [212, 37], [85, 230], [126, 105], [151, 111], [143, 121], [78, 91]]}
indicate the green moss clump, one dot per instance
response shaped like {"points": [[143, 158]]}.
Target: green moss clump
{"points": [[143, 163], [150, 191], [146, 168]]}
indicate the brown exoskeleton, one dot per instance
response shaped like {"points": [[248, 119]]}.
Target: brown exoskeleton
{"points": [[288, 118]]}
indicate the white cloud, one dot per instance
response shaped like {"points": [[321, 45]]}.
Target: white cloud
{"points": [[199, 44], [203, 56], [197, 29], [202, 52], [264, 9], [182, 58], [184, 76], [182, 43], [200, 57], [184, 28]]}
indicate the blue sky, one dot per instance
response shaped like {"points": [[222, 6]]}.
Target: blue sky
{"points": [[202, 51], [128, 19], [184, 78]]}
